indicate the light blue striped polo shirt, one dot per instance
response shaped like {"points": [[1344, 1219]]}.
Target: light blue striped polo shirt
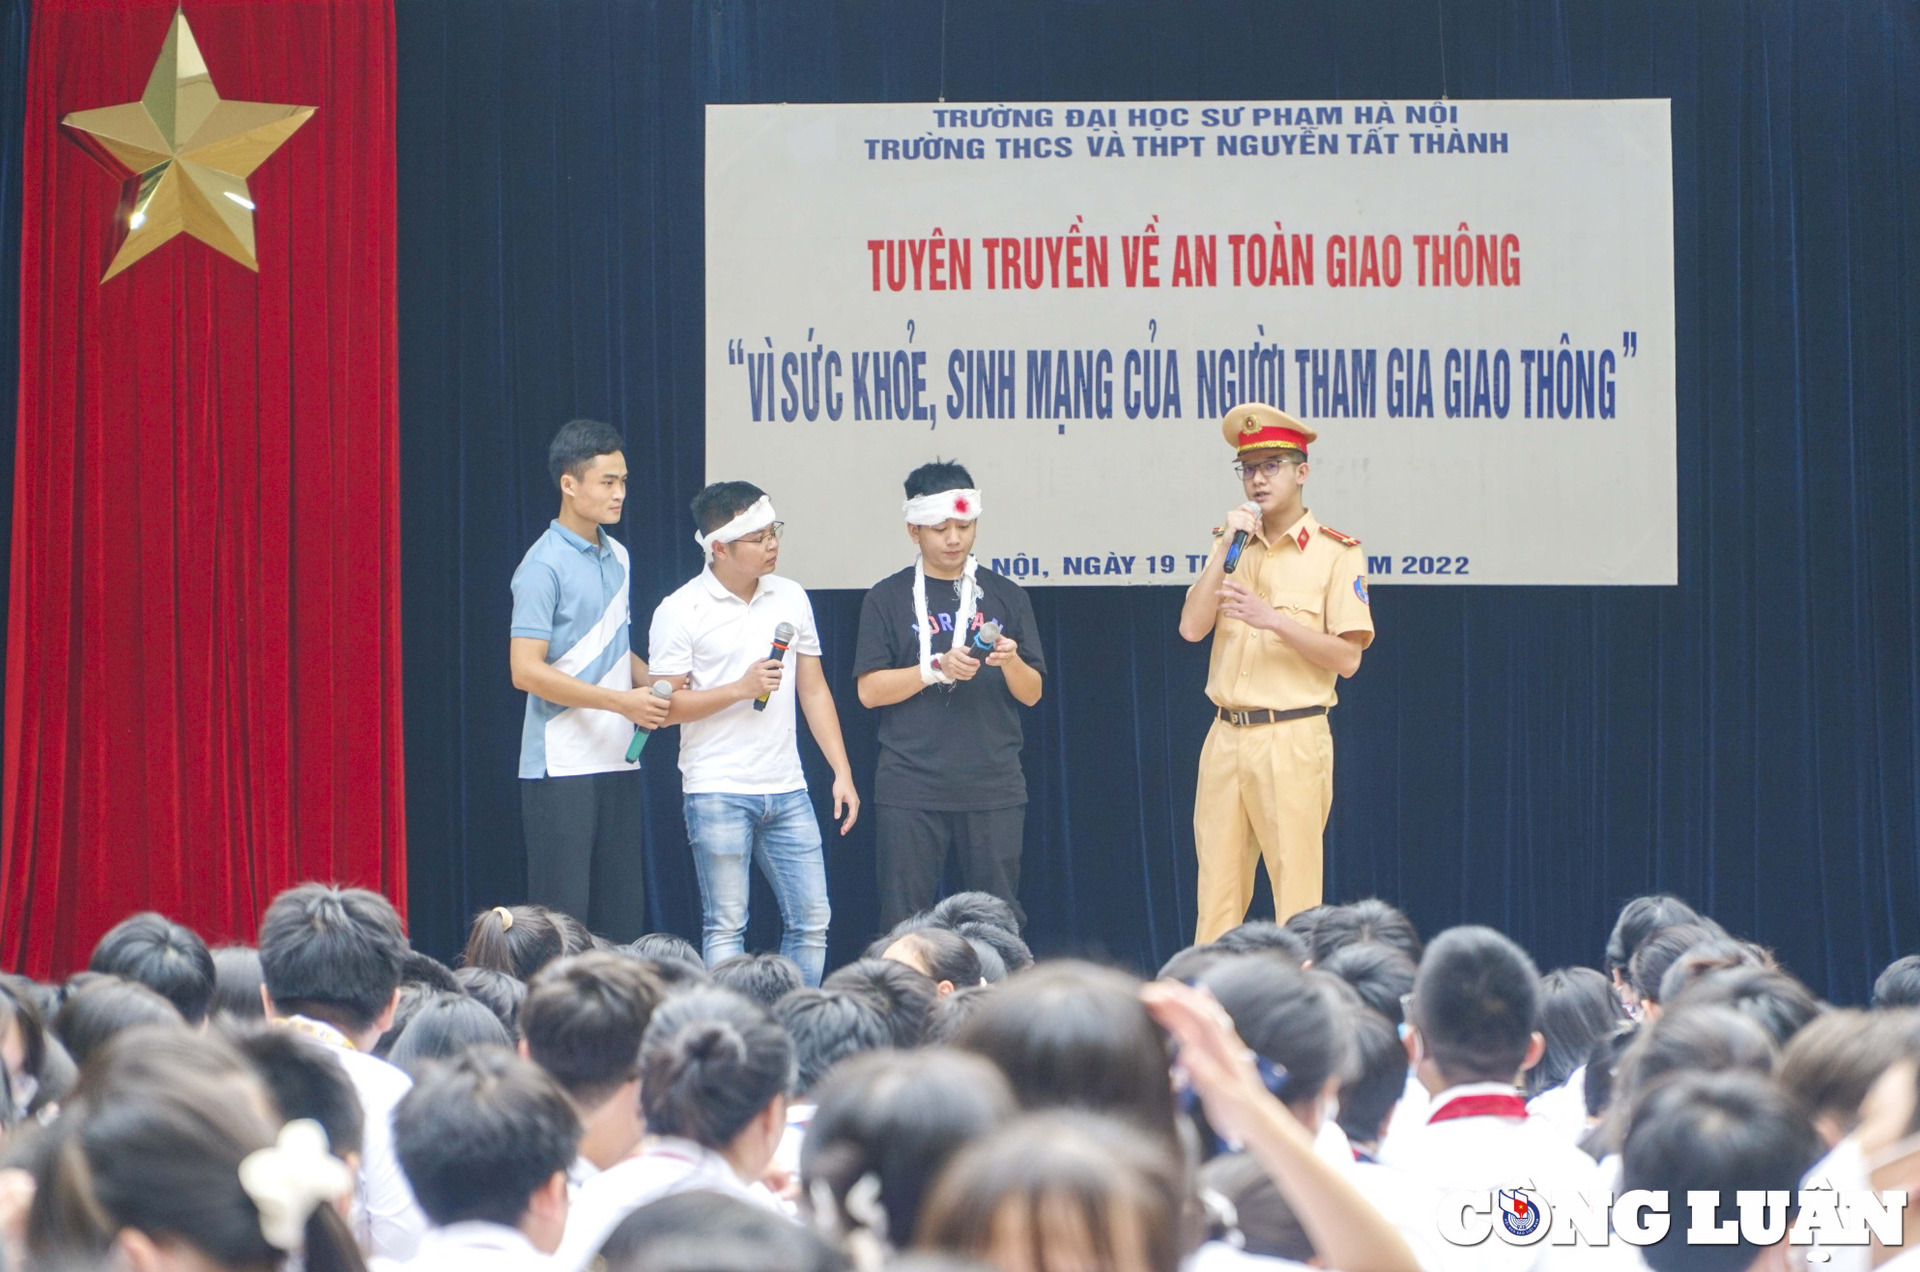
{"points": [[574, 595]]}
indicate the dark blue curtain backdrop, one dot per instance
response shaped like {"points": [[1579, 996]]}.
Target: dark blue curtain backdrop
{"points": [[1525, 757]]}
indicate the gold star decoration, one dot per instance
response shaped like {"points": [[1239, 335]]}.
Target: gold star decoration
{"points": [[185, 155]]}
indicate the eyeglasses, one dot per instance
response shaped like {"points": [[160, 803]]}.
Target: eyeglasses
{"points": [[772, 533], [1270, 469]]}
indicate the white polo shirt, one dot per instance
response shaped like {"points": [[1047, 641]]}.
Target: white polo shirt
{"points": [[706, 633]]}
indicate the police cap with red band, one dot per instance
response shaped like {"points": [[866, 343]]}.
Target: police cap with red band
{"points": [[1255, 426]]}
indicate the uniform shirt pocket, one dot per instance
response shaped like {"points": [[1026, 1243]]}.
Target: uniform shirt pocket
{"points": [[1302, 607]]}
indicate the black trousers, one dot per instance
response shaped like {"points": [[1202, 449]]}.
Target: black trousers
{"points": [[913, 847], [583, 849]]}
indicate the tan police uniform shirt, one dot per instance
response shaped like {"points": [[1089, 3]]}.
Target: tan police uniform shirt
{"points": [[1309, 576]]}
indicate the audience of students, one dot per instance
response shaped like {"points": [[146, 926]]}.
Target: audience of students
{"points": [[1290, 1093]]}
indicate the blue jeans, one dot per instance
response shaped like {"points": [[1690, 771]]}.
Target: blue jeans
{"points": [[781, 833]]}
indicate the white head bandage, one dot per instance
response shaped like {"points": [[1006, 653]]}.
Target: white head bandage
{"points": [[291, 1180], [948, 505], [757, 516]]}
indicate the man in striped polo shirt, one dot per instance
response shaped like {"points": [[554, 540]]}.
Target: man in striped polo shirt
{"points": [[571, 653]]}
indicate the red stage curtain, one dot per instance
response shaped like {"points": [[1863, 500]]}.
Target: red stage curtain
{"points": [[203, 649]]}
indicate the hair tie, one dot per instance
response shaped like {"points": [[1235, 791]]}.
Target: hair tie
{"points": [[506, 917], [290, 1180]]}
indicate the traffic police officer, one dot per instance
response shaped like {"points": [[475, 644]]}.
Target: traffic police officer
{"points": [[1288, 620]]}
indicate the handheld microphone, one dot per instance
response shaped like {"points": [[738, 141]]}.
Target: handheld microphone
{"points": [[1239, 543], [983, 638], [661, 689], [782, 636]]}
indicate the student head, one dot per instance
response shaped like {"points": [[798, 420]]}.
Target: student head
{"points": [[942, 956], [715, 1069], [489, 1136], [1577, 1009], [38, 1069], [955, 1012], [1074, 1035], [975, 907], [1004, 941], [1835, 1059], [236, 983], [499, 992], [899, 1117], [1714, 1039], [1603, 1064], [1264, 938], [1639, 919], [827, 1026], [1380, 974], [659, 945], [902, 995], [1774, 1000], [588, 466], [1060, 1191], [1898, 984], [445, 1026], [167, 958], [518, 940], [1654, 955], [333, 955], [753, 554], [1376, 1080], [946, 543], [574, 936], [1474, 1011], [305, 1080], [105, 1007], [1189, 965], [1264, 1219], [582, 1022], [1716, 954], [712, 1232], [143, 1169], [1289, 1018], [1718, 1132], [1368, 920], [764, 978]]}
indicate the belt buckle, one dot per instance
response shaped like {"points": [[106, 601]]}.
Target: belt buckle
{"points": [[1241, 719]]}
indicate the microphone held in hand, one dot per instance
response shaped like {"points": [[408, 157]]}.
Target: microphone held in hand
{"points": [[661, 689], [983, 639], [1239, 543], [782, 637]]}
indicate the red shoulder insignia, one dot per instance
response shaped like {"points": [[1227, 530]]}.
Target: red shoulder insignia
{"points": [[1337, 537]]}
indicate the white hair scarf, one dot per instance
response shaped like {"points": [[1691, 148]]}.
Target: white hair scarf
{"points": [[946, 505], [757, 515], [933, 510]]}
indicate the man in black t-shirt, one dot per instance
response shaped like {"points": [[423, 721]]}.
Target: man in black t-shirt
{"points": [[949, 775]]}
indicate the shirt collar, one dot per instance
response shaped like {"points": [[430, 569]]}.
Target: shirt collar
{"points": [[576, 542], [1306, 526], [1475, 1088], [719, 591], [473, 1234]]}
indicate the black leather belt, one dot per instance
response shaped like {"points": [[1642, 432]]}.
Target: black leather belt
{"points": [[1269, 717]]}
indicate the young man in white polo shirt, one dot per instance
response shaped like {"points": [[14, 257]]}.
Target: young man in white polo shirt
{"points": [[746, 797]]}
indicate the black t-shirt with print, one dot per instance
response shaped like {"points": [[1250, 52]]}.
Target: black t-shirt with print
{"points": [[953, 748]]}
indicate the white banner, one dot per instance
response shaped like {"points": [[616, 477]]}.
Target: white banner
{"points": [[1472, 302]]}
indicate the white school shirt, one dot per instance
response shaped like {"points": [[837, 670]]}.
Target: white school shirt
{"points": [[387, 1222], [471, 1246], [1484, 1154], [663, 1167], [1565, 1106], [707, 634]]}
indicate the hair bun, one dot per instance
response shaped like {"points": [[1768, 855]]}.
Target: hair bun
{"points": [[715, 1041]]}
